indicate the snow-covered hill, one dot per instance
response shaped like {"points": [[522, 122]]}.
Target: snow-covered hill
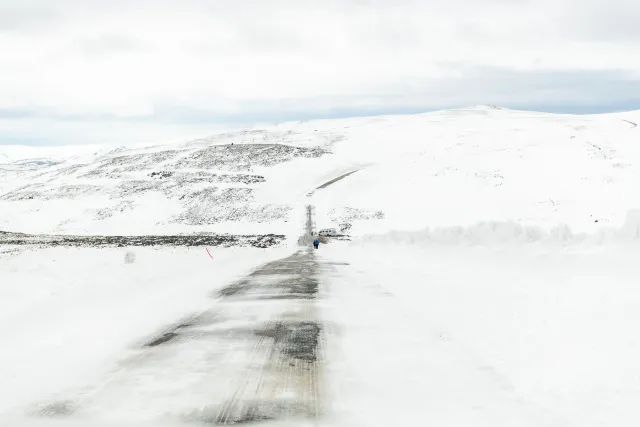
{"points": [[205, 185], [456, 168], [448, 168]]}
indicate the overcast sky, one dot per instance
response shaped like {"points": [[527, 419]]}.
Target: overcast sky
{"points": [[126, 71]]}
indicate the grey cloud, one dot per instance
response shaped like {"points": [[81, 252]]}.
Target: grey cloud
{"points": [[577, 90], [597, 20], [108, 44], [570, 91], [566, 90], [380, 49], [17, 17], [263, 37]]}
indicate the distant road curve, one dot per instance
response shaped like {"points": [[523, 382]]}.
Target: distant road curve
{"points": [[334, 180]]}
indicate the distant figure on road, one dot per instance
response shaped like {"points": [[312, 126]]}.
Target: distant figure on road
{"points": [[316, 243]]}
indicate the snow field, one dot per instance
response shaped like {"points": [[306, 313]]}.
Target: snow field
{"points": [[475, 336]]}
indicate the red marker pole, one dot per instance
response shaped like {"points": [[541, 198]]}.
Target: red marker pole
{"points": [[207, 249]]}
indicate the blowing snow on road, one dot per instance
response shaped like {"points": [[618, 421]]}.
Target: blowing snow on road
{"points": [[483, 272]]}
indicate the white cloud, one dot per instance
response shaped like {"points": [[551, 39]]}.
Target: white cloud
{"points": [[227, 58]]}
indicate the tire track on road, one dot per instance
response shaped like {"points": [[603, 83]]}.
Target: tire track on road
{"points": [[282, 379], [254, 355]]}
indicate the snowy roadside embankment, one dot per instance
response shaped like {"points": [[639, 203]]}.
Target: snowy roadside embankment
{"points": [[510, 233]]}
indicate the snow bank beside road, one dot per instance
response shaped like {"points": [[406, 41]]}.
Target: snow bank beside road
{"points": [[509, 232]]}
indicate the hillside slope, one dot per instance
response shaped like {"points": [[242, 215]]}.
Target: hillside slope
{"points": [[447, 168], [460, 167]]}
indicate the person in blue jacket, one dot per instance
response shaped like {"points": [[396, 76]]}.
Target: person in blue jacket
{"points": [[316, 243]]}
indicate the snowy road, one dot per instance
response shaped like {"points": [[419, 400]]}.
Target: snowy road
{"points": [[353, 334], [307, 339], [254, 355]]}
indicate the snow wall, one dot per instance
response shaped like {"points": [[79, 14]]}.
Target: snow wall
{"points": [[497, 233]]}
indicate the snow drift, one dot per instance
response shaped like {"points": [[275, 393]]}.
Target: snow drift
{"points": [[502, 233]]}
